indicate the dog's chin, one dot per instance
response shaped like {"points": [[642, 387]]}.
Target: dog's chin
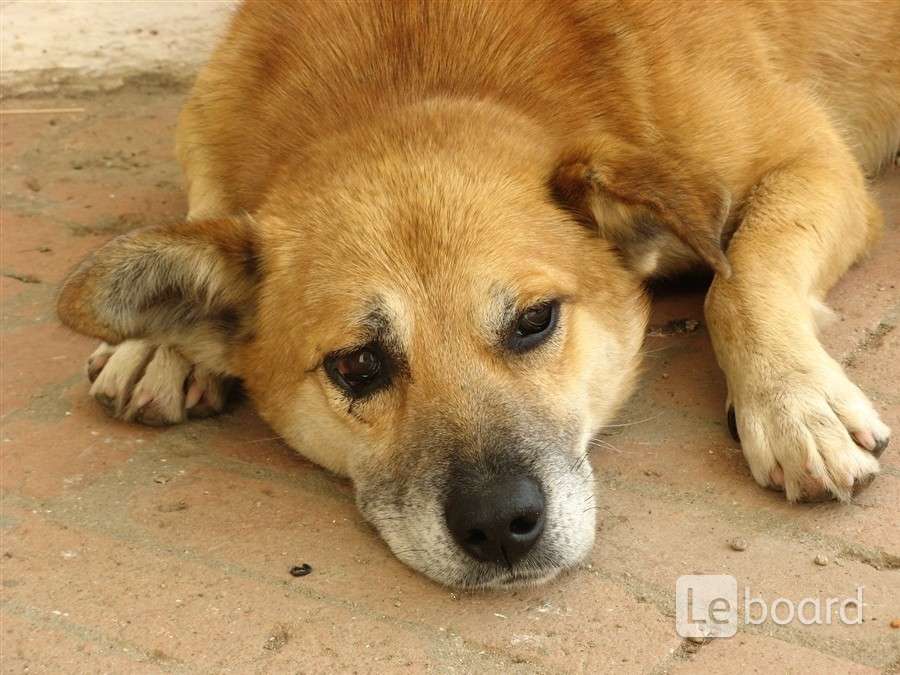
{"points": [[453, 568], [512, 579], [481, 577], [471, 575]]}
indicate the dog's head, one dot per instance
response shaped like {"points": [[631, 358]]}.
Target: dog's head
{"points": [[433, 324]]}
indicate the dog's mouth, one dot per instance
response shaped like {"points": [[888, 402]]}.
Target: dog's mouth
{"points": [[515, 579], [540, 567], [500, 578]]}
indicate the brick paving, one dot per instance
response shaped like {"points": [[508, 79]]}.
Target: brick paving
{"points": [[131, 549]]}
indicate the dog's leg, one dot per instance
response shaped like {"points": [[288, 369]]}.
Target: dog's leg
{"points": [[206, 193], [803, 425], [151, 383], [147, 382]]}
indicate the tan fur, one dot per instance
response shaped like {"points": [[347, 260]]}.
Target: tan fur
{"points": [[430, 159]]}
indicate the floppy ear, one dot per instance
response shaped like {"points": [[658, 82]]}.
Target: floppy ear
{"points": [[190, 285], [627, 193]]}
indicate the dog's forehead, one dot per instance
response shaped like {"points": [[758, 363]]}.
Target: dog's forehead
{"points": [[401, 315], [426, 259]]}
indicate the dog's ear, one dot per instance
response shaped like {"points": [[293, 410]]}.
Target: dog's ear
{"points": [[192, 285], [626, 193]]}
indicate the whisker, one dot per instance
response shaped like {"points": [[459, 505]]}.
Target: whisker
{"points": [[631, 424], [598, 443], [578, 462], [648, 352]]}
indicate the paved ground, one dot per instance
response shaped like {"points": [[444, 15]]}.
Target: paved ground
{"points": [[130, 549]]}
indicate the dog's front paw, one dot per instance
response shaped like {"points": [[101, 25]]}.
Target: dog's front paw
{"points": [[153, 384], [807, 430]]}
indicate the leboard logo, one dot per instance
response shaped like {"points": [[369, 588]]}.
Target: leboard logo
{"points": [[706, 606]]}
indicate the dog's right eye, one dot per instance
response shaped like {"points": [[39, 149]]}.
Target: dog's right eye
{"points": [[359, 372], [533, 326]]}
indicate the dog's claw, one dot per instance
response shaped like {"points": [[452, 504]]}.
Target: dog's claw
{"points": [[98, 360], [872, 442], [880, 445], [107, 402], [776, 476], [732, 424]]}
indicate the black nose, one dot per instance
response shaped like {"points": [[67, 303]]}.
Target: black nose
{"points": [[496, 522]]}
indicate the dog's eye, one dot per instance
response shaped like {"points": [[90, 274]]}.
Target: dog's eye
{"points": [[359, 372], [534, 325]]}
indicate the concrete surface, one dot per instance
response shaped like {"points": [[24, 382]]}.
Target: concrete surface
{"points": [[131, 549], [126, 548], [78, 45]]}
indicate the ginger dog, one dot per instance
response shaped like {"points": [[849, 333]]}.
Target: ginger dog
{"points": [[419, 232]]}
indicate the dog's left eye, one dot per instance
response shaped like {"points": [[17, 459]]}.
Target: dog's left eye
{"points": [[359, 372], [534, 325]]}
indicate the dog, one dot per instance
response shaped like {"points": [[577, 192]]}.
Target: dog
{"points": [[419, 234]]}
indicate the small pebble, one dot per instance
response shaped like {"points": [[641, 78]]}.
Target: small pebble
{"points": [[821, 560], [738, 544], [895, 623], [300, 570]]}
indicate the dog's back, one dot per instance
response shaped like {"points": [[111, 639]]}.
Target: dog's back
{"points": [[289, 73], [847, 54]]}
